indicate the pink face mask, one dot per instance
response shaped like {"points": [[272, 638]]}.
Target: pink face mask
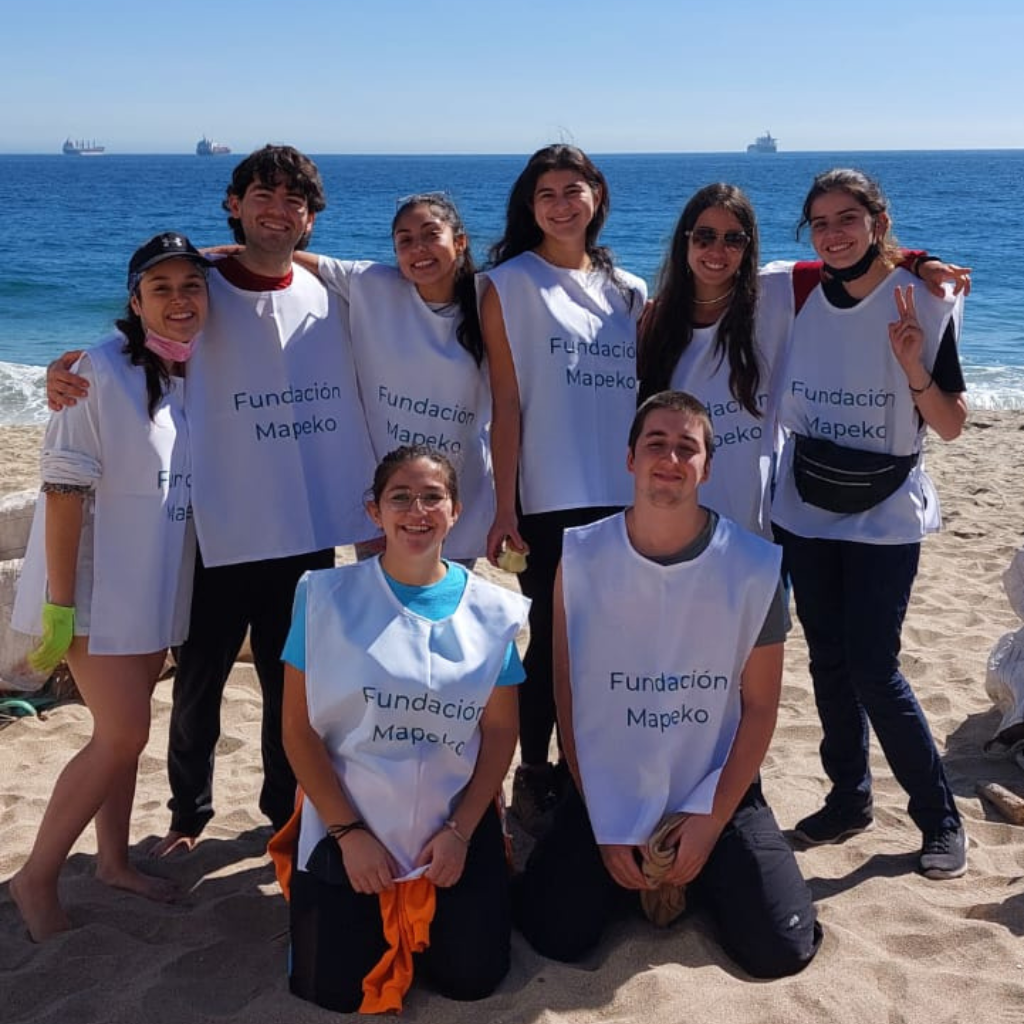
{"points": [[172, 351]]}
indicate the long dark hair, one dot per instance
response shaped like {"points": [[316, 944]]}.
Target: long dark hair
{"points": [[521, 231], [667, 328], [158, 380], [468, 333]]}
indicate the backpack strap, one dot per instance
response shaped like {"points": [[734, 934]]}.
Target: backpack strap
{"points": [[806, 277]]}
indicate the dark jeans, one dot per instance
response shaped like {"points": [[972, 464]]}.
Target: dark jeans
{"points": [[851, 599], [543, 532], [226, 601], [750, 887], [337, 935]]}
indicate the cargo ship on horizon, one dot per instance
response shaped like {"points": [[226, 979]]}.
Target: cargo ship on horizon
{"points": [[764, 144], [81, 148], [207, 147]]}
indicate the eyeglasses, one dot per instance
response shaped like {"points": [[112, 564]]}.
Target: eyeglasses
{"points": [[402, 501], [704, 238]]}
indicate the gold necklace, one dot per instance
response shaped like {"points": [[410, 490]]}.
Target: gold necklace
{"points": [[714, 302]]}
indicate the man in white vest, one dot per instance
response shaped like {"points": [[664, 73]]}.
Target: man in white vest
{"points": [[280, 460], [669, 629]]}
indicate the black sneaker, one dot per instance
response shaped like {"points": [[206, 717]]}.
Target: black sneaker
{"points": [[535, 793], [833, 824], [944, 853]]}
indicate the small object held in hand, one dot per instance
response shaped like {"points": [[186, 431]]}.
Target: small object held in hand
{"points": [[58, 632], [511, 560], [666, 902]]}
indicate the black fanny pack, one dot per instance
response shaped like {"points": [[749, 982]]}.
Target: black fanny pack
{"points": [[846, 479]]}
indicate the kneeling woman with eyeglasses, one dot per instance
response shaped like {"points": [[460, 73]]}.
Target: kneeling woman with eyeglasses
{"points": [[400, 722]]}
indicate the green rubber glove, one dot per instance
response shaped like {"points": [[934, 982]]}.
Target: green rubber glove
{"points": [[58, 632]]}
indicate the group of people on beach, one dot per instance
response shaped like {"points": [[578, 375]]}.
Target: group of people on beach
{"points": [[209, 458]]}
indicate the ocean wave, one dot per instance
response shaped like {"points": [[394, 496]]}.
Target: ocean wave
{"points": [[22, 395], [995, 387]]}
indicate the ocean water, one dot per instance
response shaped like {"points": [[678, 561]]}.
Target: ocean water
{"points": [[69, 226]]}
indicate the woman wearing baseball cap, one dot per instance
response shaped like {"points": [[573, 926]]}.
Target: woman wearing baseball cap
{"points": [[108, 571]]}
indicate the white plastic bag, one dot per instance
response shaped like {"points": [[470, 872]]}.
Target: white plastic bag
{"points": [[1004, 674], [1004, 678], [1013, 583], [15, 673], [16, 512]]}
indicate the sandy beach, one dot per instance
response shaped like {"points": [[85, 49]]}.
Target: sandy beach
{"points": [[898, 947]]}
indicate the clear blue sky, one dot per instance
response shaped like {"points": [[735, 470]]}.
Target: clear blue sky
{"points": [[397, 76]]}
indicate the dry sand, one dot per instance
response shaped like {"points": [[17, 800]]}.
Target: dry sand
{"points": [[898, 948]]}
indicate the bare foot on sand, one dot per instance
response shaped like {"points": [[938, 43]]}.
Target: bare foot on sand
{"points": [[132, 880], [39, 907], [174, 844]]}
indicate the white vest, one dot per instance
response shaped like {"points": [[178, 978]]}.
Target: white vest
{"points": [[397, 698], [843, 383], [573, 339], [420, 386], [137, 532], [741, 468], [656, 654], [281, 457]]}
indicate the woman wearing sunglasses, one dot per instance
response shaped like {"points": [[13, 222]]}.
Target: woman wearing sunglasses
{"points": [[715, 329], [872, 366], [559, 323], [718, 328]]}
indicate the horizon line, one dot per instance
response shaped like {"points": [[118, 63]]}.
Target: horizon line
{"points": [[595, 152]]}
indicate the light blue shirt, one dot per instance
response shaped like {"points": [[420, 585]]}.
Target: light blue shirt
{"points": [[434, 601]]}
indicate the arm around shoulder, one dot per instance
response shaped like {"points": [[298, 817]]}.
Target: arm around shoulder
{"points": [[64, 388]]}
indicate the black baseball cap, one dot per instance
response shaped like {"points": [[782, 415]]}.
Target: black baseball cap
{"points": [[167, 246]]}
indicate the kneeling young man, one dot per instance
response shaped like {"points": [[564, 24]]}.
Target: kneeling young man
{"points": [[669, 629]]}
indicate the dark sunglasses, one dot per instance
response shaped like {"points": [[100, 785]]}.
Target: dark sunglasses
{"points": [[706, 237]]}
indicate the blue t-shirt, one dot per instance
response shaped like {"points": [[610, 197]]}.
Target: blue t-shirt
{"points": [[434, 601]]}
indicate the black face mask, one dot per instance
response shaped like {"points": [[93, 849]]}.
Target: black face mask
{"points": [[859, 269]]}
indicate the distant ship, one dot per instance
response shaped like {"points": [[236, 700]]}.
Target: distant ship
{"points": [[80, 148], [764, 144], [207, 147]]}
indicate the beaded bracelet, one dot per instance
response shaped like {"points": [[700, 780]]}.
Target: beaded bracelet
{"points": [[339, 831], [454, 829]]}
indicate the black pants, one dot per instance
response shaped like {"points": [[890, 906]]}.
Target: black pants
{"points": [[337, 935], [851, 599], [543, 532], [226, 601], [750, 887]]}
